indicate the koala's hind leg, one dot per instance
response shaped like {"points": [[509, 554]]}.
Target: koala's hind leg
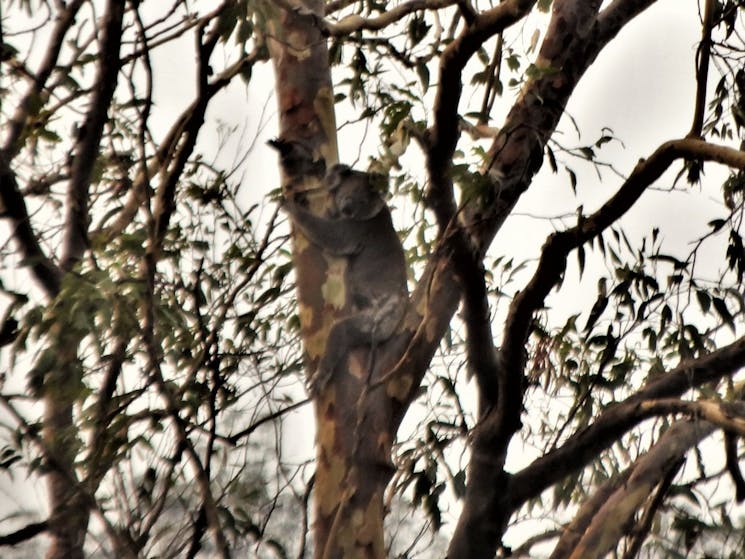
{"points": [[364, 328]]}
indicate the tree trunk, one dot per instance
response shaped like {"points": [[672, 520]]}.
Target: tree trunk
{"points": [[69, 514], [348, 515]]}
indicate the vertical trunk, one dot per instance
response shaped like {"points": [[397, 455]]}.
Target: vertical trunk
{"points": [[348, 515], [69, 514]]}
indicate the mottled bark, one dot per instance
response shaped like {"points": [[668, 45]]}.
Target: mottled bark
{"points": [[351, 472]]}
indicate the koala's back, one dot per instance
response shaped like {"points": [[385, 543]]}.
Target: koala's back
{"points": [[379, 269]]}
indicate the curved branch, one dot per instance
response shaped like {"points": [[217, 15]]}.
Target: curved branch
{"points": [[13, 207], [608, 524], [89, 137], [730, 416], [269, 418], [584, 446], [443, 135], [552, 263], [352, 23], [180, 140], [517, 152]]}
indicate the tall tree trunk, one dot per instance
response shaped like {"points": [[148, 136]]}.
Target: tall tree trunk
{"points": [[69, 514], [348, 516]]}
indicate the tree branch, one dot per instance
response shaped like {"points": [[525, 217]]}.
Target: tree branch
{"points": [[30, 104], [517, 153], [179, 140], [609, 522], [13, 207], [443, 135], [702, 71], [26, 533], [89, 137], [552, 263], [730, 416], [574, 530], [640, 532], [584, 446], [353, 23]]}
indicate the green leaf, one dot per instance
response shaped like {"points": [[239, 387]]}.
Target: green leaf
{"points": [[513, 62], [721, 307], [423, 72], [581, 259], [572, 179], [704, 300]]}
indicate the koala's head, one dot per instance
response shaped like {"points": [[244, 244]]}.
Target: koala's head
{"points": [[354, 194]]}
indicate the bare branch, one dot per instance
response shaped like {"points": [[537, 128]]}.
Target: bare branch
{"points": [[352, 23], [640, 532], [233, 439], [175, 150], [574, 530], [727, 415], [703, 55], [13, 207], [26, 533], [29, 104]]}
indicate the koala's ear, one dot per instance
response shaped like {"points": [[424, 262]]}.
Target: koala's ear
{"points": [[378, 182], [336, 175], [339, 170]]}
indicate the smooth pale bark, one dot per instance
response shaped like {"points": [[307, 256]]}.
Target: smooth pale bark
{"points": [[348, 490], [609, 524]]}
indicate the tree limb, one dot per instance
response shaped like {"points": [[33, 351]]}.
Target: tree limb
{"points": [[29, 105], [614, 421], [89, 137], [443, 134], [26, 533], [608, 524], [727, 415], [640, 532], [573, 531], [552, 263], [517, 152], [13, 207], [180, 140], [353, 23], [703, 55]]}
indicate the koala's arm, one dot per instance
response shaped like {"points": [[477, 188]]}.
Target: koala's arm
{"points": [[339, 237], [371, 326]]}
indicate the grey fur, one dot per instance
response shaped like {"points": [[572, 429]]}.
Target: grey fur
{"points": [[359, 228]]}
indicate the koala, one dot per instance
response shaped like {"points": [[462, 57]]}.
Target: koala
{"points": [[359, 228]]}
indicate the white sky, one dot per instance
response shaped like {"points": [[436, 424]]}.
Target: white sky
{"points": [[641, 87]]}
